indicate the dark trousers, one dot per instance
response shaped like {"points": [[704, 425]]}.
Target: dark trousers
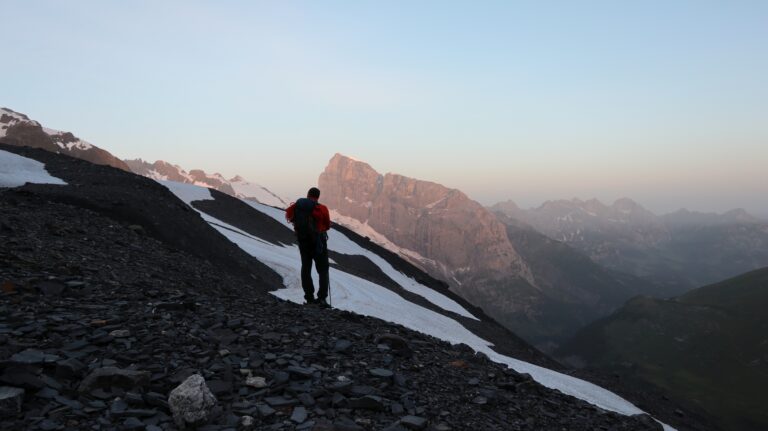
{"points": [[310, 250]]}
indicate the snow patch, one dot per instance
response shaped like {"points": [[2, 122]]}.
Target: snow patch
{"points": [[248, 190], [364, 229], [16, 116], [187, 192], [157, 176], [16, 170], [12, 118], [432, 205]]}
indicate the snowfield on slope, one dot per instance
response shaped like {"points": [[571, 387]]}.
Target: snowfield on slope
{"points": [[246, 189], [358, 295], [364, 229], [16, 170]]}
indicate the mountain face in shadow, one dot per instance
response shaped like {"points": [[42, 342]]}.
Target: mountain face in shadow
{"points": [[708, 347]]}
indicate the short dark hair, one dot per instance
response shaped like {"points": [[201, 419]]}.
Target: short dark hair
{"points": [[314, 192]]}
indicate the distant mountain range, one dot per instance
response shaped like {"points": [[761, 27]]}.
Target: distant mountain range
{"points": [[682, 250], [236, 186], [18, 129], [708, 347], [540, 288]]}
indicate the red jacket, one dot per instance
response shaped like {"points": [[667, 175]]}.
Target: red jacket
{"points": [[320, 214]]}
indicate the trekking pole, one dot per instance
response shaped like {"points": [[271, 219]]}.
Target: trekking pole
{"points": [[330, 296]]}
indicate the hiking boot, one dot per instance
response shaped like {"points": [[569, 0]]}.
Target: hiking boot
{"points": [[321, 303], [310, 301]]}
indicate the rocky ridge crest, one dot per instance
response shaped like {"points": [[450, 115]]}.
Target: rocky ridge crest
{"points": [[19, 130]]}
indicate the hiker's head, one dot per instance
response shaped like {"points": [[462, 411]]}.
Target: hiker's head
{"points": [[313, 193]]}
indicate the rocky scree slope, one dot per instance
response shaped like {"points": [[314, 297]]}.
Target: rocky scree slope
{"points": [[142, 202], [85, 293], [18, 129]]}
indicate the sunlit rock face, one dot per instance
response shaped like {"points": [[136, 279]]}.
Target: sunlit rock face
{"points": [[18, 129], [443, 225]]}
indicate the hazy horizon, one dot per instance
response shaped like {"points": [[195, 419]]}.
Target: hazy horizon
{"points": [[664, 103]]}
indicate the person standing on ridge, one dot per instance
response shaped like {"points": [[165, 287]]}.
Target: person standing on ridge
{"points": [[311, 222]]}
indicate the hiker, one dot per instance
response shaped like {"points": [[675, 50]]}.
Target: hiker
{"points": [[311, 222]]}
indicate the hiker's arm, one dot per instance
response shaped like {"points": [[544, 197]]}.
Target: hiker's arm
{"points": [[289, 212]]}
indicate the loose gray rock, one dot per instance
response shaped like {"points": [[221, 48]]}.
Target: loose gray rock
{"points": [[346, 424], [299, 415], [120, 333], [10, 400], [395, 342], [113, 376], [256, 382], [381, 372], [307, 399], [413, 422], [342, 346], [69, 368], [368, 402], [246, 423], [33, 357], [133, 423], [191, 402]]}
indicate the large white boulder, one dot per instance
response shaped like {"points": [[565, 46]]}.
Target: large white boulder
{"points": [[191, 402]]}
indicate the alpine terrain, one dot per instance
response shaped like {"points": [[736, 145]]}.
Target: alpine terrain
{"points": [[132, 303]]}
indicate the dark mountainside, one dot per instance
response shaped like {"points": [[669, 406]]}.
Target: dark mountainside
{"points": [[528, 284], [680, 251], [707, 348], [139, 201], [105, 309], [581, 290], [20, 130]]}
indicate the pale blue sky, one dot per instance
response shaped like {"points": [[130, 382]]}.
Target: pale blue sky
{"points": [[662, 101]]}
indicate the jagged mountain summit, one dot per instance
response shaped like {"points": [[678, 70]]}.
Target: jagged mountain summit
{"points": [[18, 129], [236, 186], [682, 250], [533, 286], [452, 232], [110, 276]]}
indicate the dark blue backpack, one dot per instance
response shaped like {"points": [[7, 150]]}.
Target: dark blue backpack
{"points": [[304, 223]]}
